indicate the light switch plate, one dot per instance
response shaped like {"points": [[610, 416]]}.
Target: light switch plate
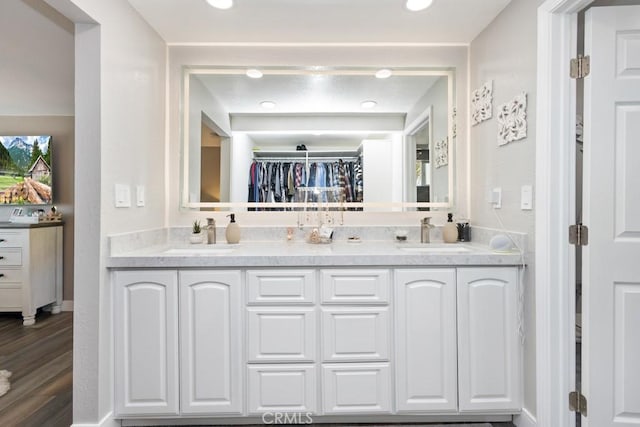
{"points": [[140, 195], [526, 197], [123, 196], [496, 198]]}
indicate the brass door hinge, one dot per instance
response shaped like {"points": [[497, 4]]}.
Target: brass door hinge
{"points": [[578, 403], [579, 235], [580, 67]]}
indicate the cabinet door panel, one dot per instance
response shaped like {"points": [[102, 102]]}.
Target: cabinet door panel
{"points": [[426, 374], [281, 286], [281, 334], [146, 342], [351, 334], [352, 286], [362, 388], [489, 344], [210, 340], [282, 388]]}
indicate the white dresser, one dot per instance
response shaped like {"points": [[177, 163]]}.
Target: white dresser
{"points": [[30, 268]]}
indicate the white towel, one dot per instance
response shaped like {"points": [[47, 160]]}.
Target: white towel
{"points": [[5, 385]]}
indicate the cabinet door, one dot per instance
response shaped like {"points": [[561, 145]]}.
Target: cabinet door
{"points": [[425, 328], [210, 339], [281, 334], [355, 334], [362, 388], [282, 388], [488, 343], [146, 342]]}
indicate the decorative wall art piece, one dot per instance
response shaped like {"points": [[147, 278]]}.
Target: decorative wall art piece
{"points": [[454, 126], [512, 120], [441, 153], [481, 103]]}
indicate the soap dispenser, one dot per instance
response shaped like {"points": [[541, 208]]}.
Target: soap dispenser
{"points": [[233, 230], [450, 231]]}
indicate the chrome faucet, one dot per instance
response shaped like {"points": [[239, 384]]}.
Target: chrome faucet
{"points": [[425, 227], [211, 231]]}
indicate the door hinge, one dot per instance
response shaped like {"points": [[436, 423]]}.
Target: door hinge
{"points": [[578, 403], [580, 67], [579, 235]]}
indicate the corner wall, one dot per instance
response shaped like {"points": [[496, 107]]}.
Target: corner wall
{"points": [[505, 52]]}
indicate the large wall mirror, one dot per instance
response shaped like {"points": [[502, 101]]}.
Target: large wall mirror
{"points": [[283, 138]]}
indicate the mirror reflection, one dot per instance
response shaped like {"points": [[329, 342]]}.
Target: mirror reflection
{"points": [[343, 138]]}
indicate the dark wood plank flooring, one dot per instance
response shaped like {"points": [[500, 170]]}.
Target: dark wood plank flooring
{"points": [[40, 359]]}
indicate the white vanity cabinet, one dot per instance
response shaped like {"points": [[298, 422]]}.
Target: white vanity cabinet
{"points": [[30, 269], [489, 348], [146, 342], [210, 342], [425, 340]]}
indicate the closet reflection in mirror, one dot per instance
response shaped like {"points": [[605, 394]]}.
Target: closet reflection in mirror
{"points": [[316, 140]]}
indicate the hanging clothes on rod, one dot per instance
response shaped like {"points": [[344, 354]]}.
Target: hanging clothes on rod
{"points": [[333, 180]]}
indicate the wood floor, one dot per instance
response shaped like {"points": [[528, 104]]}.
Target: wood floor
{"points": [[40, 358]]}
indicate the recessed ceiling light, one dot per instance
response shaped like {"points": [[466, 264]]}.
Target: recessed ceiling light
{"points": [[368, 104], [254, 74], [221, 4], [268, 105], [416, 5], [383, 73]]}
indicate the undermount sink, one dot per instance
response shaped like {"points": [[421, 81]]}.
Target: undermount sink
{"points": [[208, 250], [434, 249]]}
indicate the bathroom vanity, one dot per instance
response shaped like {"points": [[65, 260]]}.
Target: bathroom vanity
{"points": [[338, 333], [30, 268]]}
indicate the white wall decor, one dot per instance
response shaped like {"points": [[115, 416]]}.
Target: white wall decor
{"points": [[481, 103], [512, 120], [441, 157]]}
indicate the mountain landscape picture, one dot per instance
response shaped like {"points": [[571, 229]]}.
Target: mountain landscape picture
{"points": [[25, 170]]}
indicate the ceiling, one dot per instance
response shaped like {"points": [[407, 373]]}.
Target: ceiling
{"points": [[317, 93], [318, 21]]}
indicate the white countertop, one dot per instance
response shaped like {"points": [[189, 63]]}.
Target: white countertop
{"points": [[301, 254]]}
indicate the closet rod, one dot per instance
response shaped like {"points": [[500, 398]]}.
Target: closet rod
{"points": [[311, 159]]}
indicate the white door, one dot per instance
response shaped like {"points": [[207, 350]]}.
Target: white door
{"points": [[425, 340], [489, 350], [146, 342], [210, 339], [611, 261]]}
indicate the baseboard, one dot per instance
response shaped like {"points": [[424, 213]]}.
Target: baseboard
{"points": [[525, 419], [107, 421], [67, 305]]}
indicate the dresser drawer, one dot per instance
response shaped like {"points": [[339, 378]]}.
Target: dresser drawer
{"points": [[277, 287], [11, 296], [355, 286], [355, 334], [10, 256], [12, 239], [10, 275]]}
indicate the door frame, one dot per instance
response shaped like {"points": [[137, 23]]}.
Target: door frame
{"points": [[555, 211]]}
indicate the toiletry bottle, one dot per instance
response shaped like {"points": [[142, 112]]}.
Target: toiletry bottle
{"points": [[233, 230], [450, 231]]}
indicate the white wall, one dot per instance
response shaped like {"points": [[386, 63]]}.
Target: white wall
{"points": [[345, 56], [505, 52], [241, 158], [120, 101], [36, 71]]}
